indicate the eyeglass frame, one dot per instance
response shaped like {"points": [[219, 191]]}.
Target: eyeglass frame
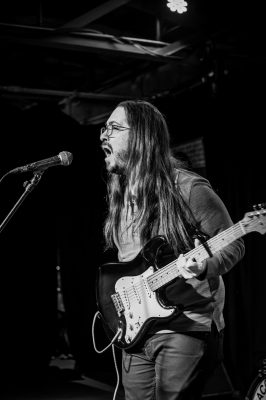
{"points": [[110, 128]]}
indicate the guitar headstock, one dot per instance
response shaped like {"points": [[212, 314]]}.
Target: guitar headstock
{"points": [[256, 220]]}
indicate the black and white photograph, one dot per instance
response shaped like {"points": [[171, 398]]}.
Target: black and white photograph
{"points": [[132, 200]]}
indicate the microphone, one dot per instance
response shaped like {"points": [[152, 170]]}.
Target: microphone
{"points": [[64, 158]]}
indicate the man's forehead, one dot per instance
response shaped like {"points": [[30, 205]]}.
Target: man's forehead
{"points": [[118, 116]]}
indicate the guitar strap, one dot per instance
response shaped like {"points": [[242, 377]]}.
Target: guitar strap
{"points": [[197, 234], [203, 240]]}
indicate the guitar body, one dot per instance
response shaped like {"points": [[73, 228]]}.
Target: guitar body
{"points": [[125, 299], [131, 295]]}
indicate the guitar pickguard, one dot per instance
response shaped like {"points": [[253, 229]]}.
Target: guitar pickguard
{"points": [[138, 303]]}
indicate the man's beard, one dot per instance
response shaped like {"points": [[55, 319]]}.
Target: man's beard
{"points": [[120, 165]]}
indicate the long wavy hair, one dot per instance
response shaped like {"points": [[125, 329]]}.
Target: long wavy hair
{"points": [[150, 168]]}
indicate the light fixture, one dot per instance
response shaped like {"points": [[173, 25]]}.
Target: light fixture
{"points": [[179, 6]]}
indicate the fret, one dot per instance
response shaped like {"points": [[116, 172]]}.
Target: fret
{"points": [[215, 244]]}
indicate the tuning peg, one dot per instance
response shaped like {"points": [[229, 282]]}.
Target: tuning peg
{"points": [[259, 207]]}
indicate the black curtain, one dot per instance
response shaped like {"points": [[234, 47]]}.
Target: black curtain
{"points": [[61, 222], [231, 121]]}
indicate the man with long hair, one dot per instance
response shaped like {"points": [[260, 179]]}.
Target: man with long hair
{"points": [[150, 195]]}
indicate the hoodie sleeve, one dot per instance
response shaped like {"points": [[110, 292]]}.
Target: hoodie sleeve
{"points": [[213, 217]]}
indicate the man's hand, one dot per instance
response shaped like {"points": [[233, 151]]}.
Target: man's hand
{"points": [[189, 267]]}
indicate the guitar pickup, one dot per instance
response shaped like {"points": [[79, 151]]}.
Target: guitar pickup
{"points": [[118, 303]]}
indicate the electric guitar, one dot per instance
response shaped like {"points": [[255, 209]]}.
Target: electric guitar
{"points": [[129, 294]]}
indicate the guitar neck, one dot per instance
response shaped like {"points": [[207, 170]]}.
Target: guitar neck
{"points": [[171, 271], [218, 242]]}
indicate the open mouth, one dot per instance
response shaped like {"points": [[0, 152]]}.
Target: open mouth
{"points": [[107, 150]]}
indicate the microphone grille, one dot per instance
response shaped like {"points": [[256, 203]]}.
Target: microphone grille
{"points": [[66, 158]]}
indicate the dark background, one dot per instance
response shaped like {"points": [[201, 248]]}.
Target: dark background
{"points": [[60, 222]]}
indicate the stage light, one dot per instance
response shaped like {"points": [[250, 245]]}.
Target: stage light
{"points": [[179, 6]]}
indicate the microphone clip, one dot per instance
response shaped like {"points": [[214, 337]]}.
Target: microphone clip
{"points": [[29, 185]]}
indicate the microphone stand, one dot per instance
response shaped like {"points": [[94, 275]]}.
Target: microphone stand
{"points": [[29, 186]]}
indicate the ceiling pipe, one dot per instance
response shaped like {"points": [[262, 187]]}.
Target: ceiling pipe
{"points": [[60, 93]]}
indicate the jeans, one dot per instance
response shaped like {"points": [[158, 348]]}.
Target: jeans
{"points": [[171, 366]]}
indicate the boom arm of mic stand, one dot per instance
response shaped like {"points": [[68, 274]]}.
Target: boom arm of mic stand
{"points": [[29, 186]]}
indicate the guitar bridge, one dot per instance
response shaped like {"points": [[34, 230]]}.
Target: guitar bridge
{"points": [[118, 303]]}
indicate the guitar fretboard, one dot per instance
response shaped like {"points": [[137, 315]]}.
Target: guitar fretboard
{"points": [[171, 271]]}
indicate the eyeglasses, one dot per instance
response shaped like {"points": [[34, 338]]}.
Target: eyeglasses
{"points": [[109, 129]]}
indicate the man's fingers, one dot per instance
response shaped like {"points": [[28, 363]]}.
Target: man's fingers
{"points": [[197, 242]]}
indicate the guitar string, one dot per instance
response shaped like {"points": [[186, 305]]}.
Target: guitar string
{"points": [[169, 271], [215, 243]]}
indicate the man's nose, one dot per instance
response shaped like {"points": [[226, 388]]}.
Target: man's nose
{"points": [[104, 135]]}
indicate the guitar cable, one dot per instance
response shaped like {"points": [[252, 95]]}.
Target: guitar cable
{"points": [[118, 333]]}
